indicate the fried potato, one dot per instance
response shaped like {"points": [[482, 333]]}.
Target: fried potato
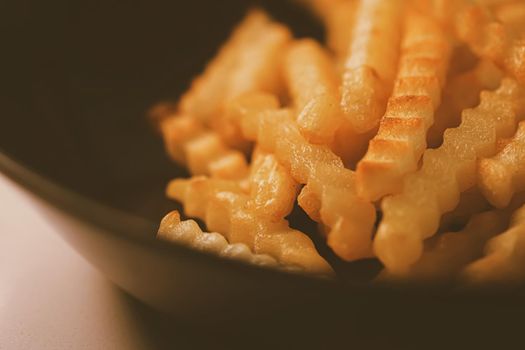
{"points": [[512, 15], [370, 68], [401, 139], [327, 181], [314, 89], [239, 65], [413, 215], [254, 217], [460, 93], [504, 257], [501, 176], [189, 233], [349, 145], [189, 143], [445, 255], [471, 202], [492, 39], [207, 91], [339, 22]]}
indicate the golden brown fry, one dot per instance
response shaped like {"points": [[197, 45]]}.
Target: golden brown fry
{"points": [[329, 194], [512, 15], [339, 23], [349, 145], [207, 91], [314, 89], [401, 140], [491, 39], [255, 217], [370, 68], [501, 176], [189, 233], [444, 256], [504, 257], [460, 93], [201, 149], [413, 215], [239, 65], [471, 202], [249, 61]]}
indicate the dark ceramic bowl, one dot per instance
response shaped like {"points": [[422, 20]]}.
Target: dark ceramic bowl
{"points": [[77, 79]]}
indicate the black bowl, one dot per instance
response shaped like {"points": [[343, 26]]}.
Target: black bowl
{"points": [[77, 80]]}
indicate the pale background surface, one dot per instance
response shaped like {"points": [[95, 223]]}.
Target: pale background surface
{"points": [[51, 298]]}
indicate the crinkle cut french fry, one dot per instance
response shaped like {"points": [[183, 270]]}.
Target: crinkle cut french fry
{"points": [[189, 233], [512, 15], [504, 257], [460, 93], [339, 23], [445, 255], [370, 68], [491, 39], [349, 145], [401, 140], [471, 202], [314, 88], [258, 63], [255, 217], [207, 91], [329, 194], [249, 61], [413, 215], [201, 149], [503, 175]]}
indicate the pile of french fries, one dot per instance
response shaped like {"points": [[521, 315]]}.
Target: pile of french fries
{"points": [[402, 136]]}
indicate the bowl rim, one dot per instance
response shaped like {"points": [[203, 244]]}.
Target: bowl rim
{"points": [[124, 225]]}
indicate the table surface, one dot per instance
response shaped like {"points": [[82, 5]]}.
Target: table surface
{"points": [[51, 298]]}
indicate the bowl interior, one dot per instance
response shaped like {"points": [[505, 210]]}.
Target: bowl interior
{"points": [[80, 76]]}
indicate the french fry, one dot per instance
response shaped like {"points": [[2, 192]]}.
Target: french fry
{"points": [[471, 203], [339, 22], [249, 61], [413, 215], [370, 68], [501, 176], [349, 145], [401, 140], [492, 39], [512, 15], [254, 217], [189, 233], [445, 255], [314, 88], [329, 185], [504, 257], [460, 93], [207, 91], [190, 143]]}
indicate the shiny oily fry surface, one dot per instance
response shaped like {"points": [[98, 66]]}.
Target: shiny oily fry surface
{"points": [[314, 88], [425, 99], [413, 215], [370, 67], [252, 213], [189, 233], [329, 194], [462, 92], [492, 39], [503, 175], [401, 139], [504, 257]]}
